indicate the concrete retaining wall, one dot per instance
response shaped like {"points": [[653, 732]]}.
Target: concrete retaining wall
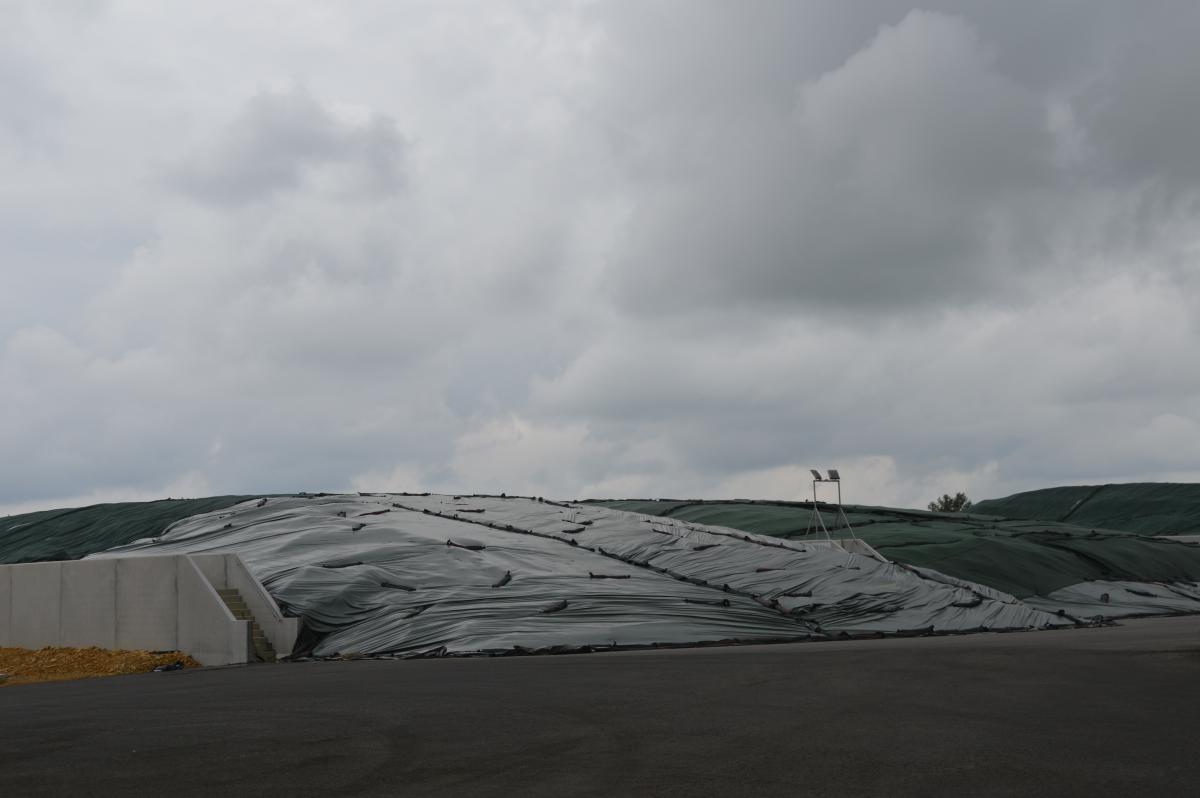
{"points": [[37, 584], [148, 603], [88, 614], [5, 606], [153, 603], [207, 636], [228, 571]]}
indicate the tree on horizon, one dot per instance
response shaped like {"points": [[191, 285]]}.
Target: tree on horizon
{"points": [[958, 503]]}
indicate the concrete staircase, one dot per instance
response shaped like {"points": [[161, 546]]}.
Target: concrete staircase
{"points": [[237, 605]]}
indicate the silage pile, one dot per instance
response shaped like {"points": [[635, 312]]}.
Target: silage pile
{"points": [[430, 575]]}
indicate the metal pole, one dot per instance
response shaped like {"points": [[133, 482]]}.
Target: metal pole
{"points": [[842, 512]]}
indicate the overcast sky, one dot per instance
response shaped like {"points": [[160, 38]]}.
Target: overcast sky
{"points": [[596, 249]]}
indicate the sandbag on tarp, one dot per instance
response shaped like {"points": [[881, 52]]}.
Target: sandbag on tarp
{"points": [[421, 574]]}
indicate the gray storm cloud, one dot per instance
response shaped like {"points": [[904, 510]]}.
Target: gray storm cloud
{"points": [[596, 248], [276, 139], [896, 178]]}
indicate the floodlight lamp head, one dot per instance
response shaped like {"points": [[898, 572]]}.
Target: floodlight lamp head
{"points": [[834, 476], [816, 475]]}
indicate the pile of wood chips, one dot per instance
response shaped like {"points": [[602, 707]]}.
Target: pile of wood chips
{"points": [[24, 666]]}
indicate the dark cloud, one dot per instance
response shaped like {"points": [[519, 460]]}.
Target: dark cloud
{"points": [[1143, 107], [895, 179], [611, 248]]}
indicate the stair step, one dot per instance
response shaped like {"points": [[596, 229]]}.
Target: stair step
{"points": [[263, 649]]}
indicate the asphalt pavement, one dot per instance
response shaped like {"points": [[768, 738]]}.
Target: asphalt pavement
{"points": [[1108, 711]]}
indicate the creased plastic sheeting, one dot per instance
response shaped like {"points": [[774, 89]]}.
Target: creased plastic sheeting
{"points": [[836, 591], [1107, 599], [1021, 558], [391, 583], [431, 574]]}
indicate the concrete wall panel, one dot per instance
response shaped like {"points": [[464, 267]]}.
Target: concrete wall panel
{"points": [[147, 603], [5, 605], [240, 647], [36, 604], [281, 631], [206, 626], [213, 566], [155, 603], [89, 603]]}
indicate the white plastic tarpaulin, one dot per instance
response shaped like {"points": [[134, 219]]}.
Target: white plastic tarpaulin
{"points": [[431, 574]]}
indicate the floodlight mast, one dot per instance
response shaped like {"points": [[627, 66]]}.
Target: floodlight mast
{"points": [[816, 522]]}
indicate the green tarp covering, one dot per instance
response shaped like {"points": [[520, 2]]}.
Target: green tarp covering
{"points": [[1024, 558], [75, 533], [1142, 508]]}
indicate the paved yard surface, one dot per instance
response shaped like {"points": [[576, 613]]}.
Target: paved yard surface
{"points": [[1112, 711]]}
